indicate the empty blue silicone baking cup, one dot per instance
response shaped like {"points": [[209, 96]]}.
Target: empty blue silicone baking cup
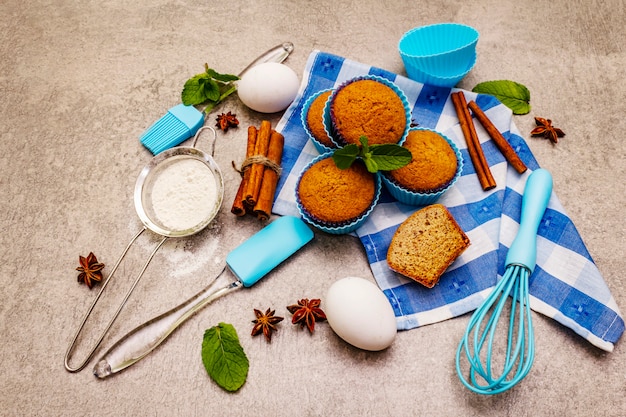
{"points": [[441, 50], [420, 199], [336, 229], [440, 81]]}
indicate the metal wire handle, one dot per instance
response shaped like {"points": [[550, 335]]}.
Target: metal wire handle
{"points": [[72, 346], [197, 136], [70, 349]]}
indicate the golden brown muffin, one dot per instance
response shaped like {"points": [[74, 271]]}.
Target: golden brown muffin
{"points": [[366, 107], [425, 244], [433, 164], [336, 196], [315, 119]]}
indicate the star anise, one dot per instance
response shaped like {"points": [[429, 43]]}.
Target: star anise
{"points": [[90, 269], [226, 120], [265, 323], [544, 128], [306, 313]]}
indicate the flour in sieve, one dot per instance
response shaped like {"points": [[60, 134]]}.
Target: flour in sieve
{"points": [[184, 194]]}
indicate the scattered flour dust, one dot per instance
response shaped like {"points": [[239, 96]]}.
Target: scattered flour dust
{"points": [[186, 255], [184, 194], [190, 255]]}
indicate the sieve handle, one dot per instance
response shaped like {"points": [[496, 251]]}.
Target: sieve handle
{"points": [[145, 338], [523, 250], [70, 349]]}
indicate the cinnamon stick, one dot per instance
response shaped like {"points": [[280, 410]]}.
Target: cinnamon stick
{"points": [[261, 147], [507, 150], [263, 207], [239, 208], [483, 172]]}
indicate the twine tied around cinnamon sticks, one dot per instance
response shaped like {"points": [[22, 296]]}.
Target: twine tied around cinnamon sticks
{"points": [[260, 172], [475, 150]]}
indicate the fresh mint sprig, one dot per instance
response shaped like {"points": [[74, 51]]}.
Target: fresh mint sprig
{"points": [[378, 157], [209, 87]]}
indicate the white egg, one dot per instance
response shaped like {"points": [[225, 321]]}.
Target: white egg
{"points": [[359, 313], [268, 88]]}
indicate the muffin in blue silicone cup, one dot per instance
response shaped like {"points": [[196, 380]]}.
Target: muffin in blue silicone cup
{"points": [[435, 167], [369, 106], [334, 200], [313, 121]]}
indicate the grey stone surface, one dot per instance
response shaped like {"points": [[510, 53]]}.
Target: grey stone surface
{"points": [[80, 81]]}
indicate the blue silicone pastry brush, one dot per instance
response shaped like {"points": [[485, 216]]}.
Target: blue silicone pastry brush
{"points": [[182, 122], [249, 262]]}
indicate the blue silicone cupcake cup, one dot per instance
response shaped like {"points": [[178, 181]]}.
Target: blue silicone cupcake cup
{"points": [[423, 77], [332, 228], [441, 50], [421, 199], [321, 147], [336, 137]]}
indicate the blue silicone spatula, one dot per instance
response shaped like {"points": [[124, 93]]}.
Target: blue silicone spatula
{"points": [[248, 262], [182, 122]]}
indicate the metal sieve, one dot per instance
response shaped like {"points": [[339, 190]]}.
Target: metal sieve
{"points": [[147, 210]]}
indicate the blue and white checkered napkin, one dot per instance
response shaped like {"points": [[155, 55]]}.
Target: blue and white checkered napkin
{"points": [[566, 285]]}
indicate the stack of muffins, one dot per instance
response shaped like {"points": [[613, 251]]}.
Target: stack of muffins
{"points": [[339, 201]]}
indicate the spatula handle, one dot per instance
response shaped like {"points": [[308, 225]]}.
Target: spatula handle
{"points": [[145, 338], [523, 250]]}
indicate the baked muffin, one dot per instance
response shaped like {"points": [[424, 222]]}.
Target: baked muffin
{"points": [[425, 245], [313, 121], [336, 200], [368, 106], [435, 166]]}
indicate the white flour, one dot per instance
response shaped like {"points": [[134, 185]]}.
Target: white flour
{"points": [[184, 194], [186, 256]]}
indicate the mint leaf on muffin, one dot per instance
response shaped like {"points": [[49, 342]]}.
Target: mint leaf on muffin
{"points": [[379, 157], [344, 157]]}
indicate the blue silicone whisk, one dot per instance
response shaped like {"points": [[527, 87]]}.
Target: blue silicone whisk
{"points": [[478, 341]]}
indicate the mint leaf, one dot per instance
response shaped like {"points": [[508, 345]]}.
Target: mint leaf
{"points": [[194, 90], [365, 149], [225, 78], [209, 87], [224, 358], [371, 165], [344, 157], [211, 90], [383, 157], [389, 157], [512, 94]]}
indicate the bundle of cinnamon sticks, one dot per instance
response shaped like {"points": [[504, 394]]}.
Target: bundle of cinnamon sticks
{"points": [[260, 172], [475, 150]]}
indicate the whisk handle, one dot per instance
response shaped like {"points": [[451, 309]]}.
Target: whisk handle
{"points": [[523, 250]]}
